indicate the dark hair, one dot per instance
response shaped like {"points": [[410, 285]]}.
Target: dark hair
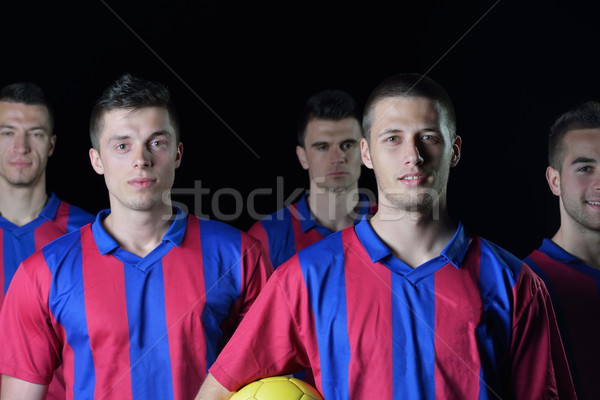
{"points": [[130, 92], [411, 85], [330, 104], [583, 116], [27, 93]]}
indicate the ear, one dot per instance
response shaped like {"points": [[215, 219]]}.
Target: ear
{"points": [[365, 154], [96, 161], [456, 151], [52, 145], [553, 178], [301, 153], [179, 155]]}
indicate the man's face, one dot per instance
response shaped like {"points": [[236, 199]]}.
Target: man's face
{"points": [[410, 153], [331, 154], [138, 156], [578, 182], [26, 142]]}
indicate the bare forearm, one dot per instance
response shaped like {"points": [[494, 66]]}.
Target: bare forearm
{"points": [[211, 389], [17, 389]]}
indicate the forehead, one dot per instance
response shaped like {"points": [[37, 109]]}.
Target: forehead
{"points": [[20, 112], [142, 122], [409, 112], [322, 130], [582, 143]]}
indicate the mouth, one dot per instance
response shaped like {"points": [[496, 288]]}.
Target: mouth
{"points": [[21, 164], [336, 174], [593, 203], [141, 183], [413, 178]]}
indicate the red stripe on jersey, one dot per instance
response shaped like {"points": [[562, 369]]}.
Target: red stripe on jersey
{"points": [[104, 294], [56, 389], [1, 267], [51, 230], [258, 231], [182, 304], [457, 315], [365, 333], [302, 239]]}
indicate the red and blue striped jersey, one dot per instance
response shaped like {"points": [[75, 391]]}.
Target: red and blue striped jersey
{"points": [[291, 229], [126, 327], [574, 289], [19, 242], [473, 323]]}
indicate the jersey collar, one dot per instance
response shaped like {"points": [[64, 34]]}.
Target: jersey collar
{"points": [[454, 252], [107, 244]]}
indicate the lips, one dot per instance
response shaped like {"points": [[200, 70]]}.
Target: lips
{"points": [[141, 183], [412, 178], [20, 163], [337, 174]]}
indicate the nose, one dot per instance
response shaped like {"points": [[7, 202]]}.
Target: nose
{"points": [[339, 155], [21, 143], [412, 155], [142, 158]]}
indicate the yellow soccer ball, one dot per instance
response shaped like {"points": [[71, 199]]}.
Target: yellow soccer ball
{"points": [[277, 388]]}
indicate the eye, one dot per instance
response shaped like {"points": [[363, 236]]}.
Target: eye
{"points": [[585, 168], [7, 133], [158, 144], [430, 139], [121, 146], [321, 146], [346, 146], [391, 139]]}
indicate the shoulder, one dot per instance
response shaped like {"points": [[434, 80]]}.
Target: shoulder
{"points": [[330, 249], [223, 232]]}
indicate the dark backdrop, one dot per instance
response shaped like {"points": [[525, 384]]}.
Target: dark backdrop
{"points": [[239, 74]]}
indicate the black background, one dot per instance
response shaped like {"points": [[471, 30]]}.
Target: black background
{"points": [[239, 74]]}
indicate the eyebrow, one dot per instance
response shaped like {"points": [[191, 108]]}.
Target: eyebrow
{"points": [[155, 134], [580, 160], [396, 130], [33, 128]]}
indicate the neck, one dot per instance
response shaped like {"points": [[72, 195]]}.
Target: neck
{"points": [[138, 232], [334, 209], [580, 242], [21, 205], [414, 237]]}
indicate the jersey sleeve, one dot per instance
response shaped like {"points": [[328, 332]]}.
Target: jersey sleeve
{"points": [[257, 230], [539, 368], [269, 340], [29, 346]]}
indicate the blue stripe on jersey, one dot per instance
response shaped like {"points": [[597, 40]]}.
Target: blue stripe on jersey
{"points": [[69, 279], [282, 244], [221, 257], [148, 339], [326, 291], [413, 324], [78, 218], [16, 249], [494, 335]]}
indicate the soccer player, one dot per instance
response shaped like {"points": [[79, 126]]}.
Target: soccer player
{"points": [[137, 304], [569, 263], [328, 135], [30, 216], [409, 304]]}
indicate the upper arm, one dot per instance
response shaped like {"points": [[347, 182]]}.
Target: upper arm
{"points": [[17, 389]]}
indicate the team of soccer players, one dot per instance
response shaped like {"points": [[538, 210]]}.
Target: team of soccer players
{"points": [[398, 301]]}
